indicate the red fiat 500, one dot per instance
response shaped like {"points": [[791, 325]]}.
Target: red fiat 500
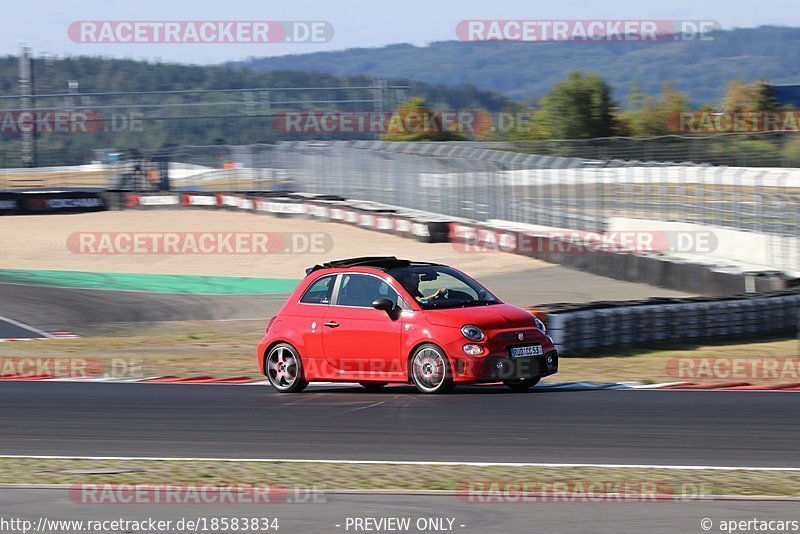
{"points": [[381, 320]]}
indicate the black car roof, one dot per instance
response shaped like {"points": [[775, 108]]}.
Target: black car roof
{"points": [[378, 262]]}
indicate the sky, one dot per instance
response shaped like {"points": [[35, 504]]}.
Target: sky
{"points": [[43, 25]]}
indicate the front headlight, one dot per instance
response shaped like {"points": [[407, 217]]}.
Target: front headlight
{"points": [[539, 325], [472, 332]]}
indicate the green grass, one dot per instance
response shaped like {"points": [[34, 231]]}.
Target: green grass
{"points": [[334, 476], [161, 283]]}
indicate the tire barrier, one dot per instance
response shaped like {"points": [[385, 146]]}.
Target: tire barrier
{"points": [[405, 223], [9, 204], [47, 201], [589, 329]]}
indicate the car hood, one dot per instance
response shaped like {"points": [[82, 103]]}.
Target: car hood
{"points": [[492, 317]]}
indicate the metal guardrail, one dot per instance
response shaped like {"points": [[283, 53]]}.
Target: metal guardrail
{"points": [[458, 180], [478, 182], [764, 149]]}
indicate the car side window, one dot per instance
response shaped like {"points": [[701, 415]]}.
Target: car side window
{"points": [[361, 290], [319, 292]]}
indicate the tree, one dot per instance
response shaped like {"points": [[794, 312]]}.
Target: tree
{"points": [[655, 116], [746, 97], [745, 103], [413, 121], [580, 107]]}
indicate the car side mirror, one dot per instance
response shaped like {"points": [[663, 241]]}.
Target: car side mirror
{"points": [[383, 304]]}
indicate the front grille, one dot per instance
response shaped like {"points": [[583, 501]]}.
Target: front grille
{"points": [[510, 337], [505, 368]]}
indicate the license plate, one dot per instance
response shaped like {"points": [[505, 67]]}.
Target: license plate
{"points": [[526, 351]]}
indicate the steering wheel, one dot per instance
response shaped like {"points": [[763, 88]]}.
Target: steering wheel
{"points": [[443, 294]]}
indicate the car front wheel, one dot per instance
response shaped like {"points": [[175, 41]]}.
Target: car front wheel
{"points": [[284, 369], [430, 370]]}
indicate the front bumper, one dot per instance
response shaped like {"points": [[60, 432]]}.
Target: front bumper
{"points": [[496, 363], [494, 368], [498, 368]]}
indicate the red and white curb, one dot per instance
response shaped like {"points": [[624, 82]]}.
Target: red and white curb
{"points": [[54, 335], [553, 386], [236, 380]]}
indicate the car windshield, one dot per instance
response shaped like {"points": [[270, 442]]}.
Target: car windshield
{"points": [[438, 286]]}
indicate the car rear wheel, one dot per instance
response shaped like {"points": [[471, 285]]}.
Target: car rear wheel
{"points": [[373, 386], [284, 369], [430, 370], [521, 384]]}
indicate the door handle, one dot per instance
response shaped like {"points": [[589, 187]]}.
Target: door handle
{"points": [[331, 324]]}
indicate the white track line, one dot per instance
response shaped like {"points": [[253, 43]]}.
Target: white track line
{"points": [[26, 327], [401, 462], [639, 385]]}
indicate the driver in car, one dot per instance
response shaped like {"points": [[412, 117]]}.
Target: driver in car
{"points": [[411, 283]]}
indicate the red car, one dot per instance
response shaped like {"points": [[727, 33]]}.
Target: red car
{"points": [[385, 320]]}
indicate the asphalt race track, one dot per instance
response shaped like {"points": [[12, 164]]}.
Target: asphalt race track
{"points": [[476, 423], [86, 311], [9, 329]]}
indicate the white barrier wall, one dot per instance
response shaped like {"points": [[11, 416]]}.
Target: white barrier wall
{"points": [[673, 174], [748, 250]]}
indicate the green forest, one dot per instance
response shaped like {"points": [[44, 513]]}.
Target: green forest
{"points": [[527, 71]]}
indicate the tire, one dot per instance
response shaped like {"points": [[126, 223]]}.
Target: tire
{"points": [[429, 370], [284, 369], [521, 384], [373, 386]]}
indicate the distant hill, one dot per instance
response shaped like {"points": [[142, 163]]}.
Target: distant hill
{"points": [[528, 70]]}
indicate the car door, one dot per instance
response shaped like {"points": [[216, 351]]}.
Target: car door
{"points": [[308, 316], [360, 341]]}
